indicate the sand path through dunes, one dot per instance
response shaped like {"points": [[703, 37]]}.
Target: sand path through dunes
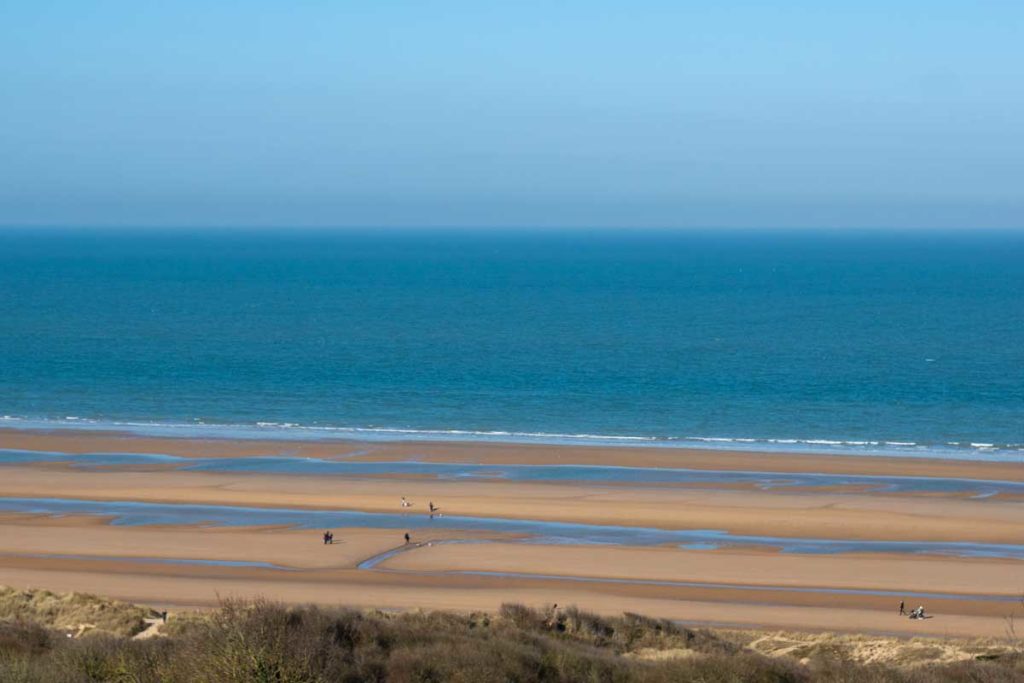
{"points": [[153, 629]]}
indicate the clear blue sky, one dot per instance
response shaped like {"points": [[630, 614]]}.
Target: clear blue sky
{"points": [[531, 113]]}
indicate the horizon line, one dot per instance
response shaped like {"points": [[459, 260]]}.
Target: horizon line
{"points": [[230, 227]]}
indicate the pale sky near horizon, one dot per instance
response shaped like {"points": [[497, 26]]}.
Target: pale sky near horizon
{"points": [[907, 113]]}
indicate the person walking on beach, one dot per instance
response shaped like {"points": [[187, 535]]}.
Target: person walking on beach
{"points": [[432, 508], [327, 536], [407, 537], [902, 610]]}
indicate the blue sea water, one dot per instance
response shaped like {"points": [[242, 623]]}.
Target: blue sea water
{"points": [[854, 341]]}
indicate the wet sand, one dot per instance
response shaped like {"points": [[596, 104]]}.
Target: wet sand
{"points": [[879, 572], [181, 586], [67, 441], [726, 586], [764, 513]]}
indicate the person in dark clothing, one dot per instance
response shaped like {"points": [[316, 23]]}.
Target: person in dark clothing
{"points": [[902, 610], [407, 538]]}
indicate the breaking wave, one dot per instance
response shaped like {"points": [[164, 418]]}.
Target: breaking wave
{"points": [[1013, 452]]}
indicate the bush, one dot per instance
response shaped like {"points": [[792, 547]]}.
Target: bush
{"points": [[267, 642]]}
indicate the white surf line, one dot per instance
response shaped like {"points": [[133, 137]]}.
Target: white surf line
{"points": [[594, 475], [292, 431]]}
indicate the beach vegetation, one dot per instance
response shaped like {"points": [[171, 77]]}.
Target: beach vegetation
{"points": [[76, 613], [243, 641]]}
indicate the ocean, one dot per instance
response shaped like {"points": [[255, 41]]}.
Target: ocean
{"points": [[860, 342]]}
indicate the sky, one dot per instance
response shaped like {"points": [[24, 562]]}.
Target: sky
{"points": [[648, 113]]}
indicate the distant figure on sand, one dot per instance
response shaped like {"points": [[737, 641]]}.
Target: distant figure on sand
{"points": [[432, 508], [902, 611], [918, 613], [405, 503], [407, 538], [328, 538]]}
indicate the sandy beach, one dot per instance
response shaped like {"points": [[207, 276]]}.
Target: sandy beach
{"points": [[69, 441], [198, 564]]}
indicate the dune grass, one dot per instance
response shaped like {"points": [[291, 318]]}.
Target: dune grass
{"points": [[263, 641], [72, 612]]}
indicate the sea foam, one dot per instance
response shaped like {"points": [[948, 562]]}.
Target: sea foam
{"points": [[990, 451]]}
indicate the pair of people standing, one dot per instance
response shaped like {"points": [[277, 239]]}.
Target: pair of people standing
{"points": [[328, 537], [407, 504]]}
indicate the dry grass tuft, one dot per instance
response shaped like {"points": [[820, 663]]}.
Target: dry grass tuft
{"points": [[264, 641], [867, 649], [72, 612]]}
